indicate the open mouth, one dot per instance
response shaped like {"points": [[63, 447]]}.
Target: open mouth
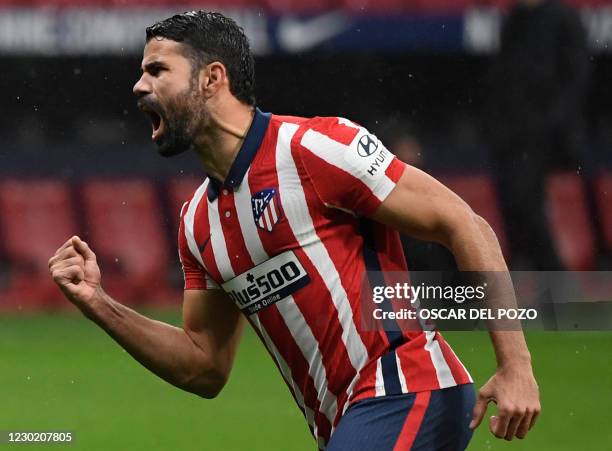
{"points": [[157, 122]]}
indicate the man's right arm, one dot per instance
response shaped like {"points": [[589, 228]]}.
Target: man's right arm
{"points": [[197, 357]]}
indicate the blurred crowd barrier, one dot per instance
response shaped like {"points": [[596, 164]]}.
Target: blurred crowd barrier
{"points": [[132, 225], [446, 5], [114, 27]]}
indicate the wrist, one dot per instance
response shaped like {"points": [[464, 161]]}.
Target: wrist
{"points": [[94, 304], [516, 361]]}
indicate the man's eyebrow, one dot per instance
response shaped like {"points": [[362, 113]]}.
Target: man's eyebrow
{"points": [[156, 64]]}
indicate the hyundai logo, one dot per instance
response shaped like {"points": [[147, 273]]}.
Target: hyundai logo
{"points": [[367, 145]]}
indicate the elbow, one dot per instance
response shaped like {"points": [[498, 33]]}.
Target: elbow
{"points": [[466, 227], [206, 384], [462, 224], [484, 227], [208, 392]]}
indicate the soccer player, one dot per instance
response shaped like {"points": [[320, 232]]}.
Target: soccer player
{"points": [[293, 213]]}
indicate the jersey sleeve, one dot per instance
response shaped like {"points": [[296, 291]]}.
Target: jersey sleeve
{"points": [[195, 276], [348, 166]]}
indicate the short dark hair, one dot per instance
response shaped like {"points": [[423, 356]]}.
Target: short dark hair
{"points": [[211, 36]]}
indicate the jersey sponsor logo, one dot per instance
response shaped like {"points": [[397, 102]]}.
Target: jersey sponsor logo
{"points": [[379, 161], [375, 158], [368, 144], [266, 208], [267, 283]]}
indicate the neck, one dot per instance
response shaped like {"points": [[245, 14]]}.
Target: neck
{"points": [[222, 137]]}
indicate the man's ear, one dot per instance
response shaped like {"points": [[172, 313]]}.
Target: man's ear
{"points": [[213, 77]]}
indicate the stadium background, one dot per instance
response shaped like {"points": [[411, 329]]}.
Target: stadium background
{"points": [[75, 157]]}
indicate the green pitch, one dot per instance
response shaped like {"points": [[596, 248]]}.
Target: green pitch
{"points": [[60, 372]]}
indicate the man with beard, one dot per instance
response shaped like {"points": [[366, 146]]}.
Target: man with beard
{"points": [[280, 233]]}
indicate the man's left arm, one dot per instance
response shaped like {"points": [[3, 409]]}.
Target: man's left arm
{"points": [[422, 207]]}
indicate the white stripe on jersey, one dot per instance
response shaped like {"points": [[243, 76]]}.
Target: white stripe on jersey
{"points": [[400, 374], [223, 263], [346, 158], [190, 219], [273, 211], [268, 222], [242, 201], [296, 209], [443, 372], [379, 387], [285, 372], [306, 341], [217, 241], [293, 318]]}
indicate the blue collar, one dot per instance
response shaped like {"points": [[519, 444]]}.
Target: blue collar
{"points": [[245, 155]]}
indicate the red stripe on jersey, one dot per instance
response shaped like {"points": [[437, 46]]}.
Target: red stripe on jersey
{"points": [[390, 254], [359, 199], [332, 128], [291, 119], [457, 370], [366, 387], [192, 270], [261, 338], [395, 170], [340, 233], [417, 366], [280, 239], [389, 249], [413, 422], [321, 316], [280, 335], [240, 259], [201, 231], [270, 318]]}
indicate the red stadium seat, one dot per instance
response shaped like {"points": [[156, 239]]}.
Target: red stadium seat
{"points": [[124, 225], [570, 220], [603, 199], [480, 194], [36, 218]]}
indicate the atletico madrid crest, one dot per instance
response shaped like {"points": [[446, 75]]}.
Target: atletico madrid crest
{"points": [[266, 208]]}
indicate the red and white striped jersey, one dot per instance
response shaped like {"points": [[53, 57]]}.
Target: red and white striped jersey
{"points": [[287, 236]]}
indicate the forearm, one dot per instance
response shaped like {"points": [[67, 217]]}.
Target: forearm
{"points": [[166, 350], [475, 247]]}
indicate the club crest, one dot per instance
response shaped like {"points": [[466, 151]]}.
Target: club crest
{"points": [[266, 208]]}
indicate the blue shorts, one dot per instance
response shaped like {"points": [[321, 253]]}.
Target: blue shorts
{"points": [[426, 421]]}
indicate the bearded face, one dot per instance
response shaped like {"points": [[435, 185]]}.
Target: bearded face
{"points": [[174, 121], [168, 93]]}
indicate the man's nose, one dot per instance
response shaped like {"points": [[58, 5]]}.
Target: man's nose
{"points": [[142, 87]]}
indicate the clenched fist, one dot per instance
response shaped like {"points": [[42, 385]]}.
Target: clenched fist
{"points": [[516, 393], [75, 270]]}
